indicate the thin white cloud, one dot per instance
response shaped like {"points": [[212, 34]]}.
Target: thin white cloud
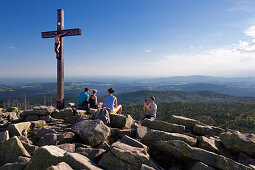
{"points": [[12, 48], [243, 6], [147, 50], [250, 31]]}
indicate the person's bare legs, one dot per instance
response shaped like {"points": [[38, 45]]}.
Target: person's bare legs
{"points": [[119, 109], [57, 51]]}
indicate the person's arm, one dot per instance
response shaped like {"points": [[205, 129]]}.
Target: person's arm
{"points": [[95, 99], [88, 98], [144, 105], [149, 109], [63, 34], [103, 102], [116, 103]]}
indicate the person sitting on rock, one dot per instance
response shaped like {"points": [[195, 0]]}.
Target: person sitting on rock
{"points": [[151, 109], [93, 100], [83, 99], [110, 102]]}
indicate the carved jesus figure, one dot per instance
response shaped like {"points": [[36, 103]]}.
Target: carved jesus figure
{"points": [[57, 43]]}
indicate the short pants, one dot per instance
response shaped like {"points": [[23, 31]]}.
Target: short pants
{"points": [[148, 117]]}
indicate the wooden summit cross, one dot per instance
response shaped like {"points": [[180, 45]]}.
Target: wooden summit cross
{"points": [[60, 60]]}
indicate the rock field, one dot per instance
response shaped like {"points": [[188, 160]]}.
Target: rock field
{"points": [[49, 139]]}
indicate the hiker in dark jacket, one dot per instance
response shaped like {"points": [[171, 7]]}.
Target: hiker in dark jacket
{"points": [[93, 100]]}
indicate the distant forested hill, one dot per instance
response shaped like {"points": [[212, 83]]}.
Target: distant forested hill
{"points": [[175, 96], [128, 98], [239, 115]]}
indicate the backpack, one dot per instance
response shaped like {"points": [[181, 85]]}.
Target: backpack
{"points": [[103, 114]]}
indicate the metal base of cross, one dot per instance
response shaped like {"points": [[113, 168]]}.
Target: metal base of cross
{"points": [[60, 104]]}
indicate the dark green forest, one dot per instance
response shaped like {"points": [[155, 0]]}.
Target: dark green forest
{"points": [[237, 115]]}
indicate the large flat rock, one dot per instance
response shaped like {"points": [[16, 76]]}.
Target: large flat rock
{"points": [[182, 151], [239, 142], [11, 150], [92, 132], [18, 129], [163, 126], [127, 154], [156, 135], [120, 121], [47, 156], [187, 122]]}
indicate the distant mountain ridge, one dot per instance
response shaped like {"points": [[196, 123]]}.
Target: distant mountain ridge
{"points": [[175, 96]]}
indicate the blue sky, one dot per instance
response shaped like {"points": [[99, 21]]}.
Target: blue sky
{"points": [[130, 37]]}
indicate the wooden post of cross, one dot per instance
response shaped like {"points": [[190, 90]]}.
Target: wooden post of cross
{"points": [[60, 59]]}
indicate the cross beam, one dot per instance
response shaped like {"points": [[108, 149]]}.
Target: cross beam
{"points": [[70, 32], [60, 60]]}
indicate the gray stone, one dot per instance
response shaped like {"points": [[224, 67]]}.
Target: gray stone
{"points": [[163, 126], [47, 156], [43, 131], [39, 111], [201, 166], [4, 136], [10, 151], [32, 118], [48, 139], [206, 120], [37, 124], [63, 114], [24, 139], [23, 159], [92, 132], [146, 167], [19, 129], [156, 135], [60, 166], [65, 137], [183, 151], [207, 130], [244, 159], [13, 166], [208, 144], [44, 157], [91, 153], [30, 148], [141, 131], [78, 161], [123, 132], [121, 121], [11, 116], [69, 147], [111, 162], [187, 122], [47, 109], [77, 118], [104, 146], [127, 154], [239, 142]]}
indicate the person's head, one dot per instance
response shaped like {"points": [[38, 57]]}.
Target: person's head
{"points": [[152, 99], [110, 91], [94, 91], [86, 89]]}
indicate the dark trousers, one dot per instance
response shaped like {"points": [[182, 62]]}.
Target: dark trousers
{"points": [[84, 105]]}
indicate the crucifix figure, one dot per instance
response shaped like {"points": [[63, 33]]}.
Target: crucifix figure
{"points": [[59, 49]]}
